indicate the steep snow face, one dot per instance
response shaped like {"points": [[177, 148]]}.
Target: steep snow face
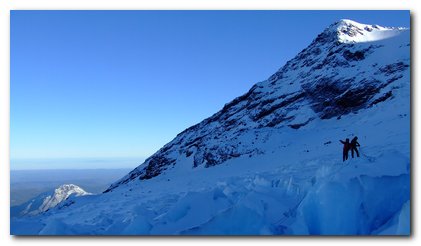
{"points": [[48, 200], [347, 68]]}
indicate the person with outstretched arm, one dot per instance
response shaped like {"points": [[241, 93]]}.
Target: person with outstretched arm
{"points": [[346, 149]]}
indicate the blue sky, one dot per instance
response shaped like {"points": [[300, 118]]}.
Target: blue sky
{"points": [[121, 84]]}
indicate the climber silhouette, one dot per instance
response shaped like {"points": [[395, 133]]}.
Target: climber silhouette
{"points": [[346, 149], [353, 146]]}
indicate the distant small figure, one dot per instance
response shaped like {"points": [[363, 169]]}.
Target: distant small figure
{"points": [[346, 149], [353, 146]]}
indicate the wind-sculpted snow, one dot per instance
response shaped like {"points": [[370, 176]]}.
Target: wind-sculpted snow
{"points": [[306, 196], [355, 205], [270, 161]]}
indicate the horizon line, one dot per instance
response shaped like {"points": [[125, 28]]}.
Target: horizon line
{"points": [[71, 169]]}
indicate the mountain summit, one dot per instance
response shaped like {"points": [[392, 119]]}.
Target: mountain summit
{"points": [[348, 31], [270, 161], [342, 71]]}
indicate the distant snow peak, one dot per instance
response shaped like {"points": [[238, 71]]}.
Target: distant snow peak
{"points": [[68, 189], [47, 201], [349, 31], [60, 194]]}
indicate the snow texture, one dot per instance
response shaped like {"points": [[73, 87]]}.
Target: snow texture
{"points": [[270, 162]]}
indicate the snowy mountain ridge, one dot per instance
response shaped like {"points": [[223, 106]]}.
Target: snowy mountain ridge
{"points": [[48, 200], [270, 162], [327, 79], [348, 31]]}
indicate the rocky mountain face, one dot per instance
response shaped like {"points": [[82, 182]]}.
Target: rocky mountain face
{"points": [[341, 72]]}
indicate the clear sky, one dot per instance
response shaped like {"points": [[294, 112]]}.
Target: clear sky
{"points": [[121, 84]]}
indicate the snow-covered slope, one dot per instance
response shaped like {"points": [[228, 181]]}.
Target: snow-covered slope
{"points": [[47, 200], [270, 161], [330, 78]]}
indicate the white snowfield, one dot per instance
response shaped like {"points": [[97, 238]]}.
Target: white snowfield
{"points": [[270, 162]]}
